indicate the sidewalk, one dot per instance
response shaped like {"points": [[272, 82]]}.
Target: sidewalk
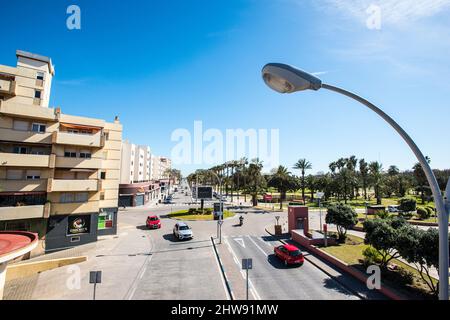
{"points": [[119, 257]]}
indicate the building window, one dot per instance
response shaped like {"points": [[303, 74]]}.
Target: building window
{"points": [[14, 174], [33, 174], [37, 94], [70, 154], [106, 135], [105, 221], [38, 127], [86, 155], [40, 76], [102, 196], [103, 175], [71, 197], [21, 125], [20, 150]]}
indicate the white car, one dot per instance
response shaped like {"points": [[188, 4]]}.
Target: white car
{"points": [[182, 231], [393, 208]]}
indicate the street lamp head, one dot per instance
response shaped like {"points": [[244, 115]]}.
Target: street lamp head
{"points": [[284, 78]]}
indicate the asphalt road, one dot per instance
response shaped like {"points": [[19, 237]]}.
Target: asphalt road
{"points": [[176, 270], [189, 269], [272, 280]]}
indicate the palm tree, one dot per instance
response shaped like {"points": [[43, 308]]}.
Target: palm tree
{"points": [[303, 165], [376, 175], [364, 174], [283, 181], [255, 182]]}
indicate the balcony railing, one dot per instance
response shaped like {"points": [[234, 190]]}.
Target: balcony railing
{"points": [[26, 110], [78, 163], [23, 185], [61, 185], [25, 212], [8, 87], [24, 160], [86, 140]]}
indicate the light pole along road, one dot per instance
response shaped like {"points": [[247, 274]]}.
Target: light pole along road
{"points": [[287, 79]]}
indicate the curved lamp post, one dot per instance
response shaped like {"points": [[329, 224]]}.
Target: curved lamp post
{"points": [[287, 79]]}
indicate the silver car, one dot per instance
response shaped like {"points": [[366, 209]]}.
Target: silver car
{"points": [[182, 231]]}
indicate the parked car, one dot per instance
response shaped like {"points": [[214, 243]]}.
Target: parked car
{"points": [[182, 231], [289, 254], [153, 222], [393, 208]]}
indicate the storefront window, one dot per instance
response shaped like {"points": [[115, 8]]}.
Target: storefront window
{"points": [[105, 221]]}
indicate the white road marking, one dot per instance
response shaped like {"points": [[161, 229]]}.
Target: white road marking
{"points": [[220, 272], [240, 241], [252, 288], [260, 249]]}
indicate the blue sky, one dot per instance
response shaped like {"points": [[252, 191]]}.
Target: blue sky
{"points": [[161, 65]]}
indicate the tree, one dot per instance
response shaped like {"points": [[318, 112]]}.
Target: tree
{"points": [[382, 234], [421, 178], [311, 184], [376, 178], [283, 181], [303, 165], [420, 248], [343, 216], [255, 182], [407, 204], [364, 174]]}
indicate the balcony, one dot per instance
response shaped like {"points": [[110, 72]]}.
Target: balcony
{"points": [[78, 163], [24, 212], [61, 185], [15, 109], [24, 160], [25, 136], [8, 87], [85, 140], [73, 208], [23, 185]]}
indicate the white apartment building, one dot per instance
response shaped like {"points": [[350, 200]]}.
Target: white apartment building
{"points": [[159, 167], [136, 186]]}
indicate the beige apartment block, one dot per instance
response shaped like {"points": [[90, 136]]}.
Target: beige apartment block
{"points": [[59, 174]]}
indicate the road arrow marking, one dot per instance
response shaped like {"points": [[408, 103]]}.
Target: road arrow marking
{"points": [[240, 241]]}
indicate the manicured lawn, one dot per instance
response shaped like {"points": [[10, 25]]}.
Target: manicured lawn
{"points": [[351, 253], [184, 215]]}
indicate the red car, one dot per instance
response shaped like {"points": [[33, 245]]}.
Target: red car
{"points": [[289, 254], [153, 222]]}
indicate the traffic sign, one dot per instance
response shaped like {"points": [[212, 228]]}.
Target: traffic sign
{"points": [[95, 277], [319, 195], [247, 263]]}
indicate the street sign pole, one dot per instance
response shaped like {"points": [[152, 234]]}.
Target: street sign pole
{"points": [[247, 263], [247, 284], [95, 277]]}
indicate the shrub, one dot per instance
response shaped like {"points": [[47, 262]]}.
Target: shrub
{"points": [[407, 204], [431, 211], [343, 216], [406, 214], [382, 214], [423, 213], [371, 256]]}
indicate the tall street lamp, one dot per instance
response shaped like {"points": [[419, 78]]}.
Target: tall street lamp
{"points": [[288, 79]]}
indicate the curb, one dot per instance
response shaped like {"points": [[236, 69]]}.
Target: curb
{"points": [[227, 283], [323, 270]]}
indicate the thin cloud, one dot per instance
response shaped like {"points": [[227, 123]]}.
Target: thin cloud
{"points": [[72, 82], [393, 12]]}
